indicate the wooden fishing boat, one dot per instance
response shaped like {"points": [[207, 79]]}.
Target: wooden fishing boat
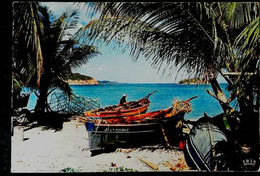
{"points": [[201, 145], [109, 136], [157, 127], [121, 110]]}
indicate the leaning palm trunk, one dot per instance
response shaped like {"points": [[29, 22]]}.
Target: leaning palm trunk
{"points": [[39, 58], [219, 92]]}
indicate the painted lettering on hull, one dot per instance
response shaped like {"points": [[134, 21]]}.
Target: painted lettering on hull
{"points": [[116, 130]]}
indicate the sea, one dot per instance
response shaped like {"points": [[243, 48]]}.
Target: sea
{"points": [[166, 93]]}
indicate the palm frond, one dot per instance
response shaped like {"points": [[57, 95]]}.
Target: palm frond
{"points": [[80, 55], [167, 33], [248, 37], [62, 85], [238, 14], [28, 27]]}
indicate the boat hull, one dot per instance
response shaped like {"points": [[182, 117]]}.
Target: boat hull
{"points": [[112, 136], [200, 143]]}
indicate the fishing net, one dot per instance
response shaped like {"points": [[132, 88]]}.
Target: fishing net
{"points": [[60, 102], [180, 106]]}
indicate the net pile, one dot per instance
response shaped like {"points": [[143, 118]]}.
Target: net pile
{"points": [[60, 102], [180, 106]]}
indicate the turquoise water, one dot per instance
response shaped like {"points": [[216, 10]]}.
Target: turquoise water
{"points": [[110, 94]]}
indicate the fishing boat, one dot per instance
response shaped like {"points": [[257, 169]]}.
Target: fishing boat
{"points": [[121, 110], [157, 127], [201, 144]]}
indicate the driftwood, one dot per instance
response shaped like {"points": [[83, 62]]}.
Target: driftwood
{"points": [[148, 163]]}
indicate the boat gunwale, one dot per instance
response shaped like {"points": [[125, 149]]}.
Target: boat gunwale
{"points": [[124, 110], [120, 132], [130, 124], [163, 120]]}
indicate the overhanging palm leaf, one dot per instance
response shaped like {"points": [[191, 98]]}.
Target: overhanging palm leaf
{"points": [[198, 36], [249, 36], [166, 32], [28, 27], [63, 51], [234, 17], [237, 14]]}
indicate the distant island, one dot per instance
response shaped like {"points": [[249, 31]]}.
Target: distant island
{"points": [[107, 82], [194, 81], [79, 79]]}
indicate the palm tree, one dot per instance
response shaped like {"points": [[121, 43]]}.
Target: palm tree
{"points": [[61, 52], [201, 37], [204, 38], [240, 22], [162, 32]]}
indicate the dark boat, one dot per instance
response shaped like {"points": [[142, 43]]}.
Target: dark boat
{"points": [[158, 127], [121, 110], [201, 144], [20, 114], [21, 100]]}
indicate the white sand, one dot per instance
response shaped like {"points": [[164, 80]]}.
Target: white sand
{"points": [[45, 151]]}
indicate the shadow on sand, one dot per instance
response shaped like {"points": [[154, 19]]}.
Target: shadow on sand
{"points": [[50, 120]]}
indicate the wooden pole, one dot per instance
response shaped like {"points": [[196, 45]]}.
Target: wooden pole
{"points": [[165, 136], [238, 73]]}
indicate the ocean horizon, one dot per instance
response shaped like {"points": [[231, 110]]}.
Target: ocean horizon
{"points": [[110, 94]]}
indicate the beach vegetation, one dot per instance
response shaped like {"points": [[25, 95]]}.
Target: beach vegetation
{"points": [[119, 169], [69, 170], [44, 50]]}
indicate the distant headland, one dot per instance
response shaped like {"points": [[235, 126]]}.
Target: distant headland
{"points": [[79, 79]]}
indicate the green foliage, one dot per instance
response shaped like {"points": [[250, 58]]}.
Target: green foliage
{"points": [[192, 81], [204, 38], [61, 52], [158, 31], [77, 76], [69, 170], [120, 169]]}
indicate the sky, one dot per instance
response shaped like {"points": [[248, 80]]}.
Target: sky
{"points": [[113, 65]]}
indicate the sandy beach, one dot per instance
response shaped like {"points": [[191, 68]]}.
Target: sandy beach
{"points": [[45, 150]]}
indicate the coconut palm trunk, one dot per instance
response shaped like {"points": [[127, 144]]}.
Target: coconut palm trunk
{"points": [[42, 99], [218, 92]]}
